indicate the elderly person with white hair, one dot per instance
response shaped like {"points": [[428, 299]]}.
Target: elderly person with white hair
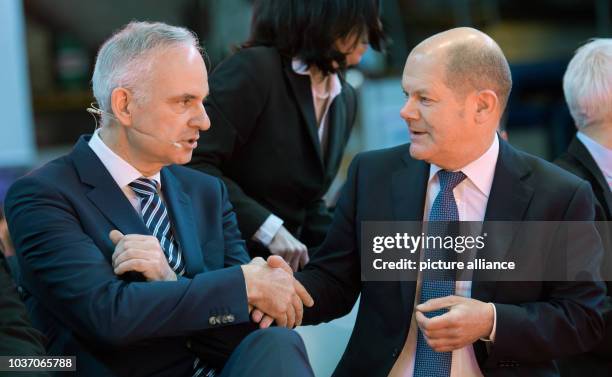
{"points": [[587, 85]]}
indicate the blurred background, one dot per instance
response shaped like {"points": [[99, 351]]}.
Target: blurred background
{"points": [[50, 45], [49, 48]]}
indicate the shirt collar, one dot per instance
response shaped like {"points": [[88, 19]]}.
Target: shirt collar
{"points": [[480, 171], [301, 68], [122, 172], [601, 154]]}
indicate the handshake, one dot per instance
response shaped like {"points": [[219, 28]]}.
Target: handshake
{"points": [[273, 293]]}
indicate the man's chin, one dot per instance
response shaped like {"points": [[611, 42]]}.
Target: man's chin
{"points": [[418, 152], [183, 159]]}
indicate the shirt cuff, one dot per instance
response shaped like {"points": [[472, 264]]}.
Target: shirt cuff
{"points": [[268, 230], [491, 337]]}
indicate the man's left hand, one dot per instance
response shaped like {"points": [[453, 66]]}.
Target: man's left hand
{"points": [[466, 321], [141, 253]]}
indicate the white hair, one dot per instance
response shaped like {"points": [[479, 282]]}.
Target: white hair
{"points": [[587, 83], [124, 59]]}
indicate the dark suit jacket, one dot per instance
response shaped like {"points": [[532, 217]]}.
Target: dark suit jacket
{"points": [[263, 142], [579, 161], [536, 321], [17, 336], [60, 216]]}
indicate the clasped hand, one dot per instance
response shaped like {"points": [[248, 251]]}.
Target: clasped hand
{"points": [[274, 294], [285, 245], [271, 288]]}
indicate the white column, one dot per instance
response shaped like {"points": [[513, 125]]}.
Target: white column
{"points": [[17, 146]]}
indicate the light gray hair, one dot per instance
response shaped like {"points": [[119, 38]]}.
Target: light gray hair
{"points": [[124, 59], [587, 83]]}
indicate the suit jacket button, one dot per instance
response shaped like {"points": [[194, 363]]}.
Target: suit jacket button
{"points": [[212, 320], [230, 318], [188, 344], [395, 353]]}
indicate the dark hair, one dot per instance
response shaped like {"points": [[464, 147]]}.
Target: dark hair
{"points": [[308, 29]]}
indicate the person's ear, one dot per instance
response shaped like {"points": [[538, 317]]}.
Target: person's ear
{"points": [[487, 104], [121, 98]]}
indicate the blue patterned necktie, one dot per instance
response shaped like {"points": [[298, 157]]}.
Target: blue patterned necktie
{"points": [[155, 217], [439, 283]]}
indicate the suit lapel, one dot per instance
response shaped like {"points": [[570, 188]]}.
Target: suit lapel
{"points": [[112, 203], [104, 193], [300, 85], [582, 154], [184, 228], [408, 189], [337, 118], [508, 201]]}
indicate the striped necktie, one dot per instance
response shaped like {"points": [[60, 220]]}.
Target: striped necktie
{"points": [[439, 283], [155, 216]]}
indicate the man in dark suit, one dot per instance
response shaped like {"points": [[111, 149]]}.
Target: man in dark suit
{"points": [[586, 85], [455, 169], [130, 259]]}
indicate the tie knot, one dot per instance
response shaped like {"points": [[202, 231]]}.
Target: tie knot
{"points": [[144, 187], [450, 179]]}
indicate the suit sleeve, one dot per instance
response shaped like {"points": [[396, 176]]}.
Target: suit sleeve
{"points": [[235, 249], [17, 335], [566, 321], [237, 97], [67, 272], [316, 224], [332, 276]]}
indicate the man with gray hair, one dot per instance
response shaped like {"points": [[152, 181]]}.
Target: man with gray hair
{"points": [[587, 85], [130, 260]]}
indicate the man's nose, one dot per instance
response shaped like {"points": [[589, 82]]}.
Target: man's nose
{"points": [[409, 111], [201, 121]]}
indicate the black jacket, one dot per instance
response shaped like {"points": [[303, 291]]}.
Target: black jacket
{"points": [[263, 142], [536, 321], [17, 336], [579, 161]]}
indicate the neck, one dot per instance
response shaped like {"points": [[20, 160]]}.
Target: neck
{"points": [[116, 139], [600, 133], [316, 74], [470, 155]]}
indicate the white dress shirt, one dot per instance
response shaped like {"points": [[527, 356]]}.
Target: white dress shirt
{"points": [[122, 172], [601, 155], [471, 195], [270, 227]]}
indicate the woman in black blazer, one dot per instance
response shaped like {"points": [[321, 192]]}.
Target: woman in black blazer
{"points": [[281, 114]]}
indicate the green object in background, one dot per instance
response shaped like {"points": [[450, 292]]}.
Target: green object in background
{"points": [[72, 63]]}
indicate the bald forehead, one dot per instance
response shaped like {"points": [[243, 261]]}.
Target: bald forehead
{"points": [[467, 59], [440, 43]]}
